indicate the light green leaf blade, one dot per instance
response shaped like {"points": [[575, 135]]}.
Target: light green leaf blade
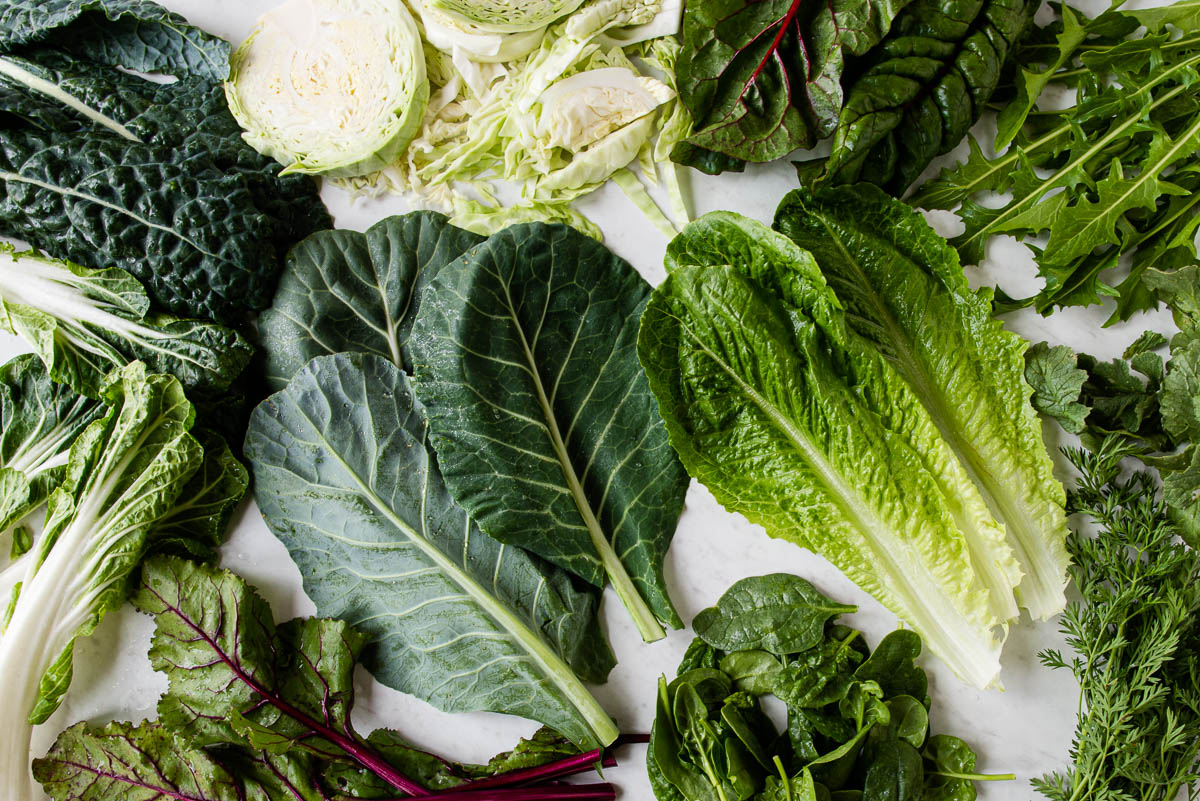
{"points": [[758, 412], [525, 356], [345, 291], [85, 323], [905, 291], [200, 518], [345, 478], [791, 274]]}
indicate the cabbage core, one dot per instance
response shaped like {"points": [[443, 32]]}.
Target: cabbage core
{"points": [[331, 86]]}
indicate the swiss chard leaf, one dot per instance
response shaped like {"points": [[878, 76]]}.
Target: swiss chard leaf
{"points": [[780, 613], [905, 292], [346, 291], [762, 78], [200, 518], [547, 433], [140, 763], [346, 479], [85, 323], [922, 88]]}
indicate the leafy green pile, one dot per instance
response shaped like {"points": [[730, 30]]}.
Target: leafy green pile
{"points": [[1136, 636], [135, 479], [108, 169], [256, 710], [1112, 175], [812, 393], [858, 721], [529, 425], [895, 83]]}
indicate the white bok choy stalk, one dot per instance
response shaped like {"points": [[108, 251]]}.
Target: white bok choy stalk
{"points": [[336, 87], [125, 472]]}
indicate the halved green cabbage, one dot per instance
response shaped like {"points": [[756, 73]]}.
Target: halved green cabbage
{"points": [[506, 16], [331, 86]]}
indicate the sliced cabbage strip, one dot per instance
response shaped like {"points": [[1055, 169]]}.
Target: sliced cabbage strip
{"points": [[336, 87], [506, 16]]}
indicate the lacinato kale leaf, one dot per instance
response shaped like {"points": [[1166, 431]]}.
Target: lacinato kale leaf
{"points": [[106, 168]]}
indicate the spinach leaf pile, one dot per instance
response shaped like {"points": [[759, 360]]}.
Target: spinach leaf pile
{"points": [[1112, 175], [857, 719], [109, 169]]}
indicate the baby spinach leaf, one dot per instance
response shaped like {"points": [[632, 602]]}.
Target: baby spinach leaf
{"points": [[346, 291], [905, 292], [123, 760], [893, 665], [779, 613], [762, 78], [895, 774], [547, 433], [345, 478]]}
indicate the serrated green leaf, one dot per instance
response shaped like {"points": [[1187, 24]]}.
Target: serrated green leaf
{"points": [[136, 763], [85, 323], [525, 357], [344, 476], [760, 411], [1057, 383], [905, 292], [346, 291], [199, 520]]}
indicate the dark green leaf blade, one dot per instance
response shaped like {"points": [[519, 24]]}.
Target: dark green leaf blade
{"points": [[134, 763], [525, 356], [346, 291], [200, 518], [1057, 382], [779, 613], [344, 476]]}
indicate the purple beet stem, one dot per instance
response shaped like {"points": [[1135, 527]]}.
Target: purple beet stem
{"points": [[554, 770], [565, 792]]}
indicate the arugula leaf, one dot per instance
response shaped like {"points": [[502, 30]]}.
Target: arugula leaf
{"points": [[525, 357], [922, 88], [779, 613], [739, 374], [762, 78], [905, 292], [346, 291], [345, 478], [85, 323], [141, 763]]}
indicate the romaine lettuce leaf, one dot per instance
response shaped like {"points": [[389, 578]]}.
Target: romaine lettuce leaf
{"points": [[777, 425], [905, 292]]}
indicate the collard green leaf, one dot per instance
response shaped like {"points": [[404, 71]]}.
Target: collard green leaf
{"points": [[39, 420], [1057, 383], [346, 291], [762, 78], [760, 412], [138, 763], [779, 613], [137, 34], [922, 88], [85, 323], [525, 356], [345, 478], [904, 291]]}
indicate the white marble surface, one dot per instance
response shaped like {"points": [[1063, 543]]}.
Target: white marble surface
{"points": [[1025, 729]]}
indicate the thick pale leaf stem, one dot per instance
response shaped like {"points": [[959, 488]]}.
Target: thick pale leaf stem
{"points": [[55, 92], [645, 620]]}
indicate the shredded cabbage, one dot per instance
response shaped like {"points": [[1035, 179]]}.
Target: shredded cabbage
{"points": [[331, 86]]}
